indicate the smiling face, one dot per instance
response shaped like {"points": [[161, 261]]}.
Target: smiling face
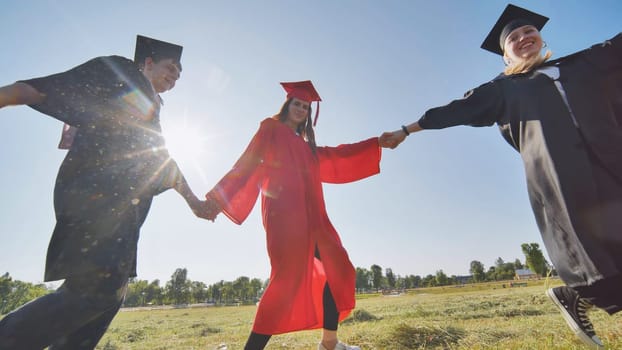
{"points": [[522, 44], [162, 74], [297, 113]]}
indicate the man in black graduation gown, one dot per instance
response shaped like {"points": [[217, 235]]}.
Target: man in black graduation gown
{"points": [[116, 163]]}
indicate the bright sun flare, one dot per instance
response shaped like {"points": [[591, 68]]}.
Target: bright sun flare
{"points": [[184, 143]]}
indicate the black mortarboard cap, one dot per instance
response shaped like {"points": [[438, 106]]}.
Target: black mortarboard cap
{"points": [[156, 49], [512, 17]]}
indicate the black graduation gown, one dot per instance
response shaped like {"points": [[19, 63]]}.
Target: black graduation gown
{"points": [[571, 149], [116, 164]]}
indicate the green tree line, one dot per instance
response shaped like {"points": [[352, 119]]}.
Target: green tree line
{"points": [[14, 294], [180, 290]]}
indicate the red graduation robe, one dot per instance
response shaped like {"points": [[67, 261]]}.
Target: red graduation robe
{"points": [[279, 164]]}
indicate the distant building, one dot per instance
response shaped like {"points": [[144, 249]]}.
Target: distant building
{"points": [[525, 274], [464, 279]]}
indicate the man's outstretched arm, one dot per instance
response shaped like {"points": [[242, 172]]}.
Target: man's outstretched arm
{"points": [[19, 94]]}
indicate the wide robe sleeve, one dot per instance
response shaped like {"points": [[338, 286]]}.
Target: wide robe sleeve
{"points": [[95, 92], [237, 191], [613, 49], [592, 82], [481, 106], [349, 162]]}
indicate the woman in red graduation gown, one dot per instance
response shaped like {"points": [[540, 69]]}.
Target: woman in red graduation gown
{"points": [[312, 281]]}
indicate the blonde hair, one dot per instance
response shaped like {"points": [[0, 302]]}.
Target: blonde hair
{"points": [[528, 64]]}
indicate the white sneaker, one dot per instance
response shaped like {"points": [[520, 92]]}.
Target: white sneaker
{"points": [[339, 346]]}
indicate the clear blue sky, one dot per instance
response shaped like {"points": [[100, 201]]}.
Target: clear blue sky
{"points": [[443, 198]]}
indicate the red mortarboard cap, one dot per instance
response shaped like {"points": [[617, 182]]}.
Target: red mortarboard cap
{"points": [[156, 49], [305, 91], [512, 17], [302, 90]]}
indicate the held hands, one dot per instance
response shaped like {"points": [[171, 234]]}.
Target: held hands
{"points": [[207, 209], [211, 207], [200, 209], [391, 139]]}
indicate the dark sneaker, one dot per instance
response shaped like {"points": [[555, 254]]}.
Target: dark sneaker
{"points": [[574, 309]]}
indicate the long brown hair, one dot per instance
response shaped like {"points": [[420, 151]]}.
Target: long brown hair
{"points": [[303, 129]]}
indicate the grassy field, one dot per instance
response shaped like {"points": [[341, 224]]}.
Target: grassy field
{"points": [[482, 316]]}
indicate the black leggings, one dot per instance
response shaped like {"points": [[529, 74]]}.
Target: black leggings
{"points": [[258, 341], [331, 315]]}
